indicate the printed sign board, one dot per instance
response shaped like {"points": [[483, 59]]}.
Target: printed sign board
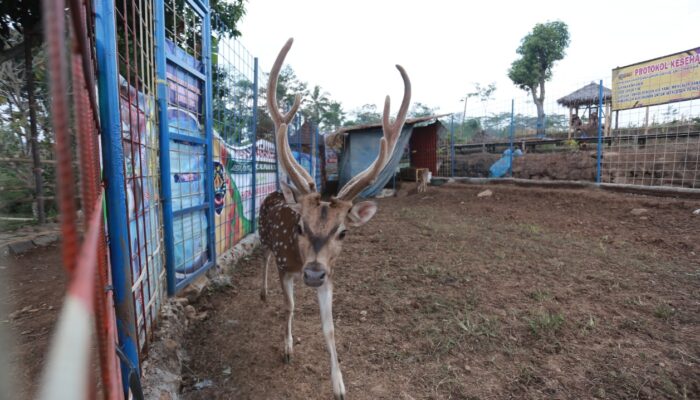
{"points": [[659, 81]]}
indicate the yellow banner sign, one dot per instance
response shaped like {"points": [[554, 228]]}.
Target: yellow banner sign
{"points": [[658, 81]]}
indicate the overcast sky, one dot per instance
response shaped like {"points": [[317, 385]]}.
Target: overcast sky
{"points": [[350, 47]]}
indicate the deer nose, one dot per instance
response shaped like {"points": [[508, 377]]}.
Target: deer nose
{"points": [[314, 275]]}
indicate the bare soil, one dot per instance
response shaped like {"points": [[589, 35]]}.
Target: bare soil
{"points": [[32, 287], [529, 293]]}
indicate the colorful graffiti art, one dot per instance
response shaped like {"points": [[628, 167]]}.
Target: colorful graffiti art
{"points": [[220, 185], [142, 173], [233, 184], [187, 169]]}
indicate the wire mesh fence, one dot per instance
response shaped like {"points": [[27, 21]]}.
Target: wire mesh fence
{"points": [[651, 146], [239, 182], [70, 367], [655, 146], [140, 142], [186, 139]]}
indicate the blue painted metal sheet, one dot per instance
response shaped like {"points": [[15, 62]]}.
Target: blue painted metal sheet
{"points": [[184, 100], [361, 149]]}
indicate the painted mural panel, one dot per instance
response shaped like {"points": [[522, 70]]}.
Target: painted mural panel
{"points": [[187, 172], [188, 167], [233, 187], [142, 173]]}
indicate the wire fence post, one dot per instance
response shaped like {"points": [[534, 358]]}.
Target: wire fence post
{"points": [[207, 98], [164, 143], [600, 131], [512, 132], [297, 131], [113, 166], [255, 140], [452, 146], [317, 157]]}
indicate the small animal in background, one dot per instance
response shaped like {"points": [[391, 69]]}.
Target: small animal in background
{"points": [[423, 177]]}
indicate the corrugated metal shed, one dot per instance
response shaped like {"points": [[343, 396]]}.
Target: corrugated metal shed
{"points": [[360, 146]]}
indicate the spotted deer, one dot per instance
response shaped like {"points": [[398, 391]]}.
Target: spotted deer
{"points": [[303, 234]]}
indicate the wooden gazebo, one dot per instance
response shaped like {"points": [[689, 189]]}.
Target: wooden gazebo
{"points": [[586, 98]]}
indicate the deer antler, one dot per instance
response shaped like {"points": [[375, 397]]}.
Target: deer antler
{"points": [[302, 180], [386, 146]]}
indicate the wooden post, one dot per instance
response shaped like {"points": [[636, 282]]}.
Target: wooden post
{"points": [[571, 128], [646, 121]]}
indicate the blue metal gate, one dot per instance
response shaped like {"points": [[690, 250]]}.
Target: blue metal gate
{"points": [[183, 70]]}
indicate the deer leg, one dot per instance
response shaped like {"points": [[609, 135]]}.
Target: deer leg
{"points": [[268, 260], [325, 302], [287, 281]]}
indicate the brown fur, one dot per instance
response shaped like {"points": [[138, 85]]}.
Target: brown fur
{"points": [[322, 225]]}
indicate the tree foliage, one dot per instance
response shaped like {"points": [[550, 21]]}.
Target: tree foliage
{"points": [[420, 110], [23, 17], [227, 13], [539, 50]]}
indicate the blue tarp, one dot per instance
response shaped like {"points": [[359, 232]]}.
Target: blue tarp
{"points": [[361, 150], [501, 167]]}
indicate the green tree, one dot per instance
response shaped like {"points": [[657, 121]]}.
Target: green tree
{"points": [[421, 110], [25, 18], [227, 13], [333, 116], [367, 114], [316, 103], [538, 51]]}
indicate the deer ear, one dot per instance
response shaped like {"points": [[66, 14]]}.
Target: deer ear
{"points": [[361, 212], [291, 196]]}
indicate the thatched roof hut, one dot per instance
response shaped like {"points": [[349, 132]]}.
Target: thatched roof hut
{"points": [[586, 96]]}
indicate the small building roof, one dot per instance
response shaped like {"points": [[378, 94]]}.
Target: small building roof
{"points": [[586, 96], [335, 139]]}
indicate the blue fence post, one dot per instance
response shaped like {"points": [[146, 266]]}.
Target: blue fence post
{"points": [[452, 146], [208, 131], [317, 166], [297, 130], [255, 138], [164, 142], [599, 157], [113, 170], [512, 133]]}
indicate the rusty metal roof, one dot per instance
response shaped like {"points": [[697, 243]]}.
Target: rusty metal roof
{"points": [[335, 139]]}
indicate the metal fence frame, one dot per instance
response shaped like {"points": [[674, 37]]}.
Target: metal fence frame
{"points": [[69, 372], [609, 144], [131, 322]]}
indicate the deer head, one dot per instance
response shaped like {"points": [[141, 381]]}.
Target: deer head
{"points": [[323, 225]]}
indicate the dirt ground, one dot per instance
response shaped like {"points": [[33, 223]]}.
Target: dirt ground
{"points": [[527, 294], [32, 287]]}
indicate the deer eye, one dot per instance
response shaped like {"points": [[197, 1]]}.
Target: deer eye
{"points": [[299, 229], [342, 234]]}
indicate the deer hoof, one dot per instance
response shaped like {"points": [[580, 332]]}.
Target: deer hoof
{"points": [[340, 396], [287, 359], [263, 295]]}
